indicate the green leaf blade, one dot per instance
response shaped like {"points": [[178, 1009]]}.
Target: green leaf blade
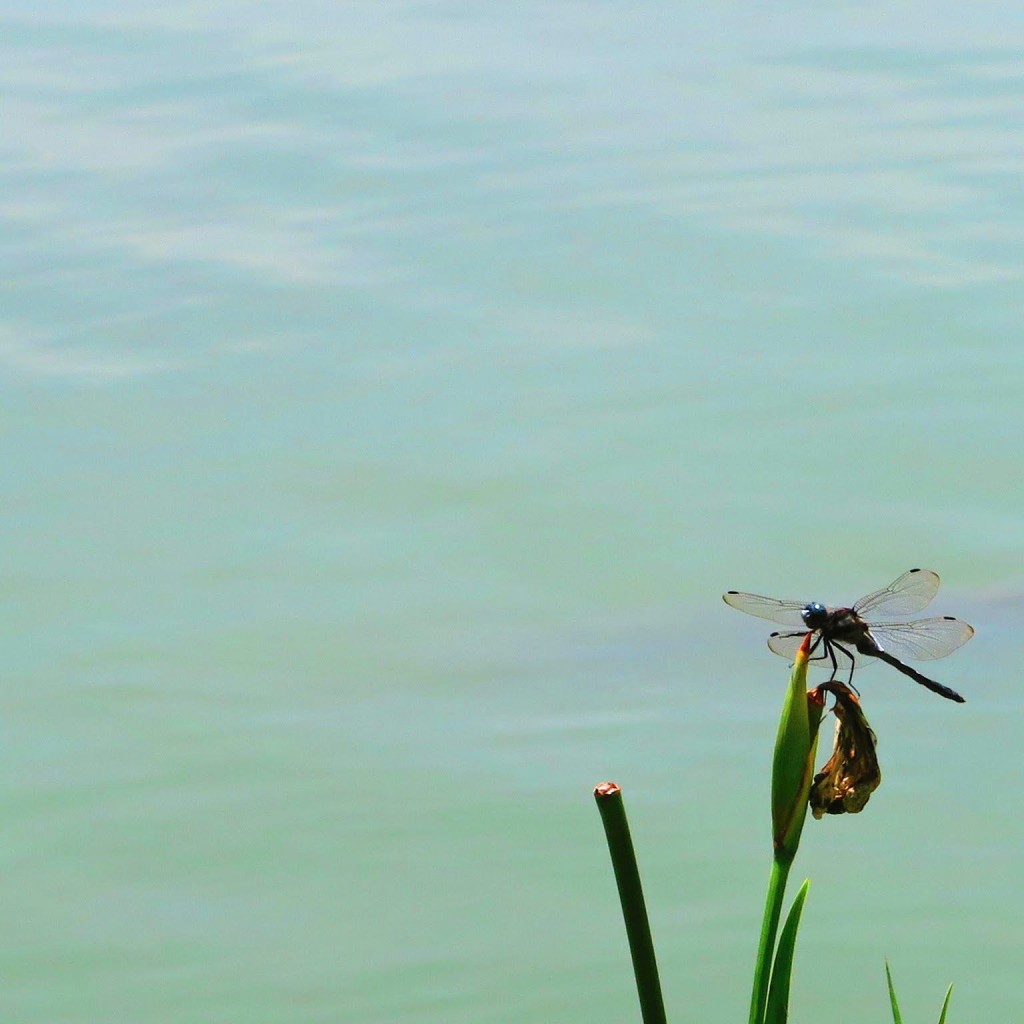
{"points": [[896, 1018]]}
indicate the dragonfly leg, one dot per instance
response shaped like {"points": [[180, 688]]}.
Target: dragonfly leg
{"points": [[853, 662], [826, 651]]}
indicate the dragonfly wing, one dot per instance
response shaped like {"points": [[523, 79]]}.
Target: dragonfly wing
{"points": [[924, 639], [786, 644], [786, 613], [907, 594]]}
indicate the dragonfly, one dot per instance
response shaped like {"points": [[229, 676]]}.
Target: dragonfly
{"points": [[853, 634]]}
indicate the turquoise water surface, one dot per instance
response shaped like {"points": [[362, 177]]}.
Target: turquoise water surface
{"points": [[389, 393]]}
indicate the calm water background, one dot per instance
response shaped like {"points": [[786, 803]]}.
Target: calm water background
{"points": [[389, 392]]}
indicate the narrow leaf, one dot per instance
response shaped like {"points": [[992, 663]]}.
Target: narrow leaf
{"points": [[945, 1005], [896, 1018]]}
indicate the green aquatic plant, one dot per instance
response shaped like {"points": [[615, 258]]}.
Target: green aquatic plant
{"points": [[897, 1017], [631, 897], [843, 786], [792, 777]]}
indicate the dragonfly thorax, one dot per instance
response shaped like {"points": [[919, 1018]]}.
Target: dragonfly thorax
{"points": [[815, 615]]}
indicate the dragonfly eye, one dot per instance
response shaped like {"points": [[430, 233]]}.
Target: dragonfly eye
{"points": [[814, 615]]}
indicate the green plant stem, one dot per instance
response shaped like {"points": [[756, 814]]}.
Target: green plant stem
{"points": [[781, 864], [631, 896], [777, 1011]]}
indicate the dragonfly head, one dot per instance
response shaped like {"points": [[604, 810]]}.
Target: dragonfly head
{"points": [[814, 615]]}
